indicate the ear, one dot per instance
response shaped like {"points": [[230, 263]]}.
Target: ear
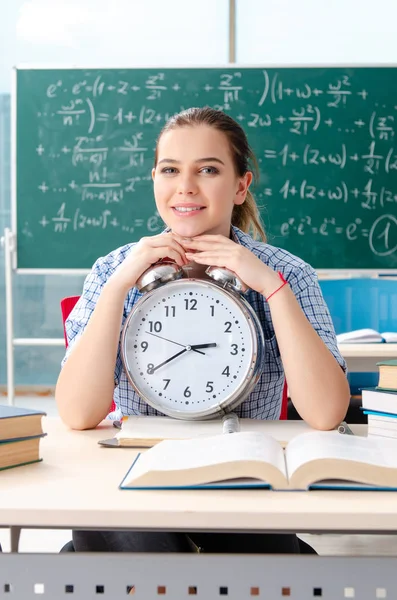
{"points": [[153, 173], [242, 189]]}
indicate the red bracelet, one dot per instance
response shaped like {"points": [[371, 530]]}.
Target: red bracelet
{"points": [[279, 288]]}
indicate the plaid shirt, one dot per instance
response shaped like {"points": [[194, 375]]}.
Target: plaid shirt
{"points": [[264, 402]]}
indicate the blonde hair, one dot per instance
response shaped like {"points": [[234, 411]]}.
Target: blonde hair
{"points": [[245, 216]]}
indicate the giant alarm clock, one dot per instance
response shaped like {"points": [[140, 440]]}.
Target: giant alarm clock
{"points": [[192, 348]]}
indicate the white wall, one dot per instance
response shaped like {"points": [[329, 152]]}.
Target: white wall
{"points": [[317, 31], [167, 32], [112, 33]]}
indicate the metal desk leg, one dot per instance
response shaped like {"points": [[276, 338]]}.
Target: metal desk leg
{"points": [[15, 534]]}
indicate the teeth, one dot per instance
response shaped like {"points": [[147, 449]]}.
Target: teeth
{"points": [[186, 209]]}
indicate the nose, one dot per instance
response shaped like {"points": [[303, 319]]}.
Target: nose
{"points": [[187, 185]]}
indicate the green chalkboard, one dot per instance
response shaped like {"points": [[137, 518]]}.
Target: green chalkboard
{"points": [[324, 138]]}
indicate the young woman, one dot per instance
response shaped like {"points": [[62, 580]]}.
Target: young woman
{"points": [[202, 174]]}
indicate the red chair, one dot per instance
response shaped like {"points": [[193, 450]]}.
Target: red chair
{"points": [[67, 305], [284, 403]]}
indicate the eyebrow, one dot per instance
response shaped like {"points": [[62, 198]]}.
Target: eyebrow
{"points": [[199, 160]]}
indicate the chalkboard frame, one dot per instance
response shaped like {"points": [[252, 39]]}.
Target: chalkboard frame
{"points": [[332, 272]]}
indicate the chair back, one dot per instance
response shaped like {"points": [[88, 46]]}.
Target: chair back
{"points": [[67, 305], [284, 403]]}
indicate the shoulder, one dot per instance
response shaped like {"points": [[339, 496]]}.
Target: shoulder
{"points": [[104, 266], [296, 271]]}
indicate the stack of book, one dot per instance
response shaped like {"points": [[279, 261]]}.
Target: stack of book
{"points": [[20, 433], [380, 403]]}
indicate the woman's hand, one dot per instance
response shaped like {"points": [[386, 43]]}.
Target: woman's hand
{"points": [[219, 251], [146, 252]]}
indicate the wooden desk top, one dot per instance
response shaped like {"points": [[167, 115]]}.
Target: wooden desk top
{"points": [[76, 486], [378, 351]]}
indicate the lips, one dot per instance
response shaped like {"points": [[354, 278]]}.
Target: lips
{"points": [[185, 210], [189, 205]]}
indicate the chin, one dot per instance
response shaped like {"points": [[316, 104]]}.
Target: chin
{"points": [[187, 230]]}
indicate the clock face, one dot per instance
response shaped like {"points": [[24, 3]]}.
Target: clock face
{"points": [[189, 347]]}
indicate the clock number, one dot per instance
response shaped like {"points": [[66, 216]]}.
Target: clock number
{"points": [[226, 371], [190, 304], [210, 386], [155, 326], [228, 326], [144, 346], [187, 393], [212, 310], [169, 310], [150, 368], [167, 383], [235, 350]]}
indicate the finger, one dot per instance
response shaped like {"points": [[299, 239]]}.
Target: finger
{"points": [[156, 241], [168, 242], [209, 258], [208, 244], [216, 239], [177, 246], [183, 242], [171, 253], [198, 245]]}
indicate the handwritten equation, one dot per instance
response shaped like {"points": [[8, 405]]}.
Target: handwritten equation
{"points": [[324, 140], [381, 235], [105, 219]]}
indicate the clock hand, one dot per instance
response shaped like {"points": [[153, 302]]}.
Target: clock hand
{"points": [[169, 360], [172, 341], [166, 339], [196, 346], [186, 349]]}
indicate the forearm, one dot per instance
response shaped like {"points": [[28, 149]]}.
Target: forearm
{"points": [[85, 385], [317, 384]]}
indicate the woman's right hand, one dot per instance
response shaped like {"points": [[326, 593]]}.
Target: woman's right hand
{"points": [[146, 252]]}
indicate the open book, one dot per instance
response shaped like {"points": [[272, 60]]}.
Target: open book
{"points": [[366, 336], [312, 460]]}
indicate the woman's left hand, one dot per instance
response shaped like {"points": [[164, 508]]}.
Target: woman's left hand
{"points": [[219, 251]]}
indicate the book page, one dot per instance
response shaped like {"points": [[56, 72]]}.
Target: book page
{"points": [[178, 455], [154, 428], [316, 445], [148, 427], [359, 336], [390, 336]]}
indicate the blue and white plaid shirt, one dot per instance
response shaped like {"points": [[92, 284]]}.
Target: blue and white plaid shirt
{"points": [[265, 400]]}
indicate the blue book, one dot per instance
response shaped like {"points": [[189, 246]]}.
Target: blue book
{"points": [[247, 460], [379, 400], [378, 413]]}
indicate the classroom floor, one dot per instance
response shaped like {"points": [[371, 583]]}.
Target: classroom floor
{"points": [[33, 540]]}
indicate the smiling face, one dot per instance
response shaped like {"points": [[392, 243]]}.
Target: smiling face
{"points": [[195, 181]]}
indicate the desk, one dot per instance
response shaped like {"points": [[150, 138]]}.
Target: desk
{"points": [[363, 357], [76, 486]]}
